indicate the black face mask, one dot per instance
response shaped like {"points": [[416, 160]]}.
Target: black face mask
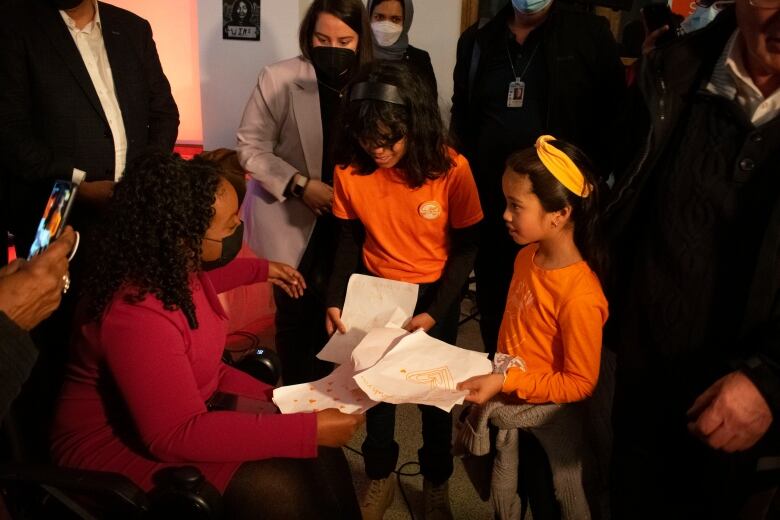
{"points": [[65, 4], [231, 245], [333, 63]]}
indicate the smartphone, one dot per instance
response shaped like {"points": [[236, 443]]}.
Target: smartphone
{"points": [[54, 216], [656, 16]]}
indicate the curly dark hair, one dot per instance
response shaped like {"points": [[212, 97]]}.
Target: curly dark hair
{"points": [[383, 124], [150, 241]]}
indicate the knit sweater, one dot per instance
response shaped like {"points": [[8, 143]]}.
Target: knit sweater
{"points": [[559, 430]]}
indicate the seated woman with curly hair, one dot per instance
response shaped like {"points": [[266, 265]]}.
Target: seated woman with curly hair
{"points": [[145, 370]]}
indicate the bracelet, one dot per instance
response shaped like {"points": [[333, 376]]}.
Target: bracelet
{"points": [[503, 362]]}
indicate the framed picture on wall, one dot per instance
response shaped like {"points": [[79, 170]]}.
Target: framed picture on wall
{"points": [[241, 20]]}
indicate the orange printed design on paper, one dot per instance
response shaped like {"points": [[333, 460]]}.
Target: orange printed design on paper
{"points": [[437, 378]]}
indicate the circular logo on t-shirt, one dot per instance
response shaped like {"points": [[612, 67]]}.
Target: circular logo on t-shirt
{"points": [[430, 210]]}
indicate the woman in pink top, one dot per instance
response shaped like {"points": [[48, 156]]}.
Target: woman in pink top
{"points": [[145, 371]]}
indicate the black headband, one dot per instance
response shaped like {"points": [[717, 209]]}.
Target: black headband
{"points": [[378, 92]]}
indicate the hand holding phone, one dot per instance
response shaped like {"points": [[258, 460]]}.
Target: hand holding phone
{"points": [[31, 291], [55, 216], [656, 17]]}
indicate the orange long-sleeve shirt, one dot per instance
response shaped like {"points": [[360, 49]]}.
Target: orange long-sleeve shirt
{"points": [[553, 320]]}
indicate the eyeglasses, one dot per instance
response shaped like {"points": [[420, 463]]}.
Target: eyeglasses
{"points": [[765, 4], [386, 143]]}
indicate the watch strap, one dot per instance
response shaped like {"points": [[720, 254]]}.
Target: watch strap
{"points": [[298, 185]]}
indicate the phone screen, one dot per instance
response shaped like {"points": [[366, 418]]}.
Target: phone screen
{"points": [[54, 216]]}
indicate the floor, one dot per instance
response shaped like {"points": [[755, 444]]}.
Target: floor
{"points": [[465, 502]]}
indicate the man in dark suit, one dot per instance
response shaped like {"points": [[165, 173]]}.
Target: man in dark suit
{"points": [[81, 89]]}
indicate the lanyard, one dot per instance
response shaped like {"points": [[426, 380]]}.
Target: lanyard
{"points": [[512, 64]]}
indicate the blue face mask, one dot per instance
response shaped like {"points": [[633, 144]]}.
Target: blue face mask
{"points": [[702, 16], [530, 6]]}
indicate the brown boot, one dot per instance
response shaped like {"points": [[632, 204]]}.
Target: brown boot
{"points": [[378, 498]]}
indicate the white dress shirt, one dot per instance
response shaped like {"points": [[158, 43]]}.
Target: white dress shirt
{"points": [[731, 80], [92, 48]]}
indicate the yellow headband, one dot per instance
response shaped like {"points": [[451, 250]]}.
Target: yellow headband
{"points": [[561, 166]]}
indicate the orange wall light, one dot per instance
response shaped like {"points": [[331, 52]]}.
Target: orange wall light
{"points": [[175, 27]]}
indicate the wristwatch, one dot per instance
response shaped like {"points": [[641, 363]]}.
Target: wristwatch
{"points": [[298, 185]]}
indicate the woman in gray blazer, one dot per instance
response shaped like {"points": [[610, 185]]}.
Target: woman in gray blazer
{"points": [[284, 142]]}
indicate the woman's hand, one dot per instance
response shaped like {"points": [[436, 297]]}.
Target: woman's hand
{"points": [[335, 429], [318, 196], [286, 278], [333, 321], [648, 45], [422, 321], [482, 388]]}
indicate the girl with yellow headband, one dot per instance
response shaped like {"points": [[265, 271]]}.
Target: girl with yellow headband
{"points": [[549, 345]]}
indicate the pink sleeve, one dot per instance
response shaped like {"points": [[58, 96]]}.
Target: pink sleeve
{"points": [[234, 381], [241, 271], [145, 352]]}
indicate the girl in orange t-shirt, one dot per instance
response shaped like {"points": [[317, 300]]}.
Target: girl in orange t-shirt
{"points": [[408, 209], [550, 338]]}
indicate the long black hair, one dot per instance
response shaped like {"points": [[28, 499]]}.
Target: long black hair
{"points": [[383, 124], [554, 196], [351, 12], [150, 241]]}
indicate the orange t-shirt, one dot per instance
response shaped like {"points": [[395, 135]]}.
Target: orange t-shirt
{"points": [[407, 230], [553, 321]]}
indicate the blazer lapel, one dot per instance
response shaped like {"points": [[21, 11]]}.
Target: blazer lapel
{"points": [[118, 57], [64, 45], [306, 110]]}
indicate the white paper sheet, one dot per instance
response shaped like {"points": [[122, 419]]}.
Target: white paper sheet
{"points": [[423, 370], [371, 303], [400, 367], [374, 346], [337, 390]]}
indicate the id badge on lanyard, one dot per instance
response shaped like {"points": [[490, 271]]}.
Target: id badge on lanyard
{"points": [[514, 98], [516, 93]]}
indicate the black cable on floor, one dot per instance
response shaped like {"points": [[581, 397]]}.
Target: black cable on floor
{"points": [[255, 341], [399, 473]]}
